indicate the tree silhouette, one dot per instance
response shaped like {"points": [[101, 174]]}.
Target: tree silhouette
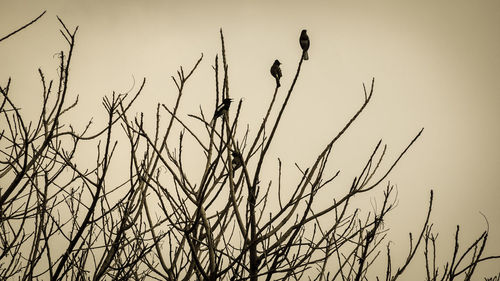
{"points": [[161, 221]]}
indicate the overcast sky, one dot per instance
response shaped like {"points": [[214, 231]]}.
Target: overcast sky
{"points": [[436, 65]]}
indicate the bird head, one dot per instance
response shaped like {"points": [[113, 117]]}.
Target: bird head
{"points": [[304, 31], [277, 62], [235, 154], [227, 101]]}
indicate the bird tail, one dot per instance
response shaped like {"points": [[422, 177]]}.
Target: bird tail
{"points": [[305, 56], [278, 83]]}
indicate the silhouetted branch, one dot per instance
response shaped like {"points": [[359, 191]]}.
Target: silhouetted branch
{"points": [[23, 27]]}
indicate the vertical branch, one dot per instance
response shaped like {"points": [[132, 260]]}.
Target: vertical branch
{"points": [[111, 107]]}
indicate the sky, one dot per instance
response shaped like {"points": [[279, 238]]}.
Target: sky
{"points": [[436, 66]]}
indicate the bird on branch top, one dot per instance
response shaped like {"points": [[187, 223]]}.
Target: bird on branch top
{"points": [[304, 44], [222, 108]]}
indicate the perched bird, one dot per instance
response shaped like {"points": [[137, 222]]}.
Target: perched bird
{"points": [[222, 108], [237, 160], [276, 72], [304, 44]]}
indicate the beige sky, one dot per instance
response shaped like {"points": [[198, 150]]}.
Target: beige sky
{"points": [[436, 65]]}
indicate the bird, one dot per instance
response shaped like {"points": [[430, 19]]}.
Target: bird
{"points": [[237, 160], [222, 108], [276, 72], [304, 44]]}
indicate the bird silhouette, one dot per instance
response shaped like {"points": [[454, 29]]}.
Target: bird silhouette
{"points": [[276, 72], [237, 160], [304, 44], [222, 108]]}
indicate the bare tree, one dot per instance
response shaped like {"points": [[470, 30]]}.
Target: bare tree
{"points": [[162, 221], [51, 204]]}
